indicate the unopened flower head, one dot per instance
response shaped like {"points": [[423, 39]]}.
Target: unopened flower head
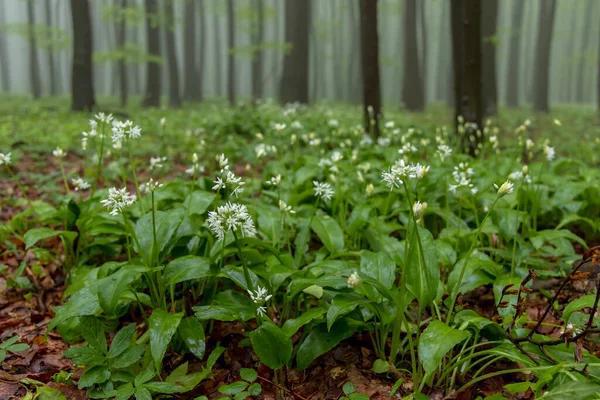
{"points": [[232, 217], [549, 152], [150, 186], [58, 152], [274, 181], [286, 208], [80, 184], [5, 158], [118, 200], [323, 190], [163, 122], [506, 188], [419, 209], [353, 280]]}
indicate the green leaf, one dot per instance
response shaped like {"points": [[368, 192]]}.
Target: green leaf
{"points": [[198, 202], [378, 266], [573, 390], [577, 304], [93, 376], [233, 388], [163, 326], [380, 366], [272, 346], [33, 236], [122, 340], [340, 306], [435, 342], [248, 374], [186, 268], [191, 332], [166, 222], [422, 271], [255, 389], [83, 302], [227, 306], [320, 340], [291, 326], [329, 232]]}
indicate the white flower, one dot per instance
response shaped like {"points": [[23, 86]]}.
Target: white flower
{"points": [[419, 209], [124, 129], [444, 151], [263, 149], [420, 171], [5, 158], [223, 161], [58, 152], [231, 217], [353, 280], [462, 174], [157, 162], [228, 181], [549, 152], [407, 148], [286, 208], [506, 188], [196, 167], [104, 118], [278, 126], [323, 190], [163, 122], [333, 123], [118, 200], [274, 181], [260, 297], [80, 184], [150, 186], [529, 144], [369, 189]]}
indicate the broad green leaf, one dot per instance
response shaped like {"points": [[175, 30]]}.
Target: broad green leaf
{"points": [[196, 203], [329, 232], [191, 332], [422, 270], [93, 376], [435, 342], [378, 266], [291, 326], [340, 306], [33, 236], [577, 304], [233, 388], [122, 340], [227, 306], [186, 268], [272, 346], [163, 326], [166, 223], [248, 374], [320, 340]]}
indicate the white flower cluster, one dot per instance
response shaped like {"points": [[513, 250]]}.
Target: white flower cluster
{"points": [[353, 280], [5, 158], [150, 186], [196, 168], [227, 180], [401, 170], [522, 174], [80, 184], [231, 217], [549, 152], [274, 181], [506, 188], [263, 150], [157, 162], [58, 152], [124, 130], [462, 174], [286, 208], [323, 190], [118, 200], [444, 151], [260, 297]]}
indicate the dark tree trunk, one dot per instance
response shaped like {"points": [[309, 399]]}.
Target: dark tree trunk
{"points": [[512, 70], [34, 65], [542, 55], [466, 49], [171, 52], [369, 47], [489, 20], [152, 96], [82, 78], [295, 78], [190, 63], [257, 55], [230, 52], [5, 77], [353, 63], [412, 84], [51, 64], [120, 32], [587, 34], [444, 64]]}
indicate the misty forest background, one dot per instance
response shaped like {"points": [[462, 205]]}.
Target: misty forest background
{"points": [[237, 49]]}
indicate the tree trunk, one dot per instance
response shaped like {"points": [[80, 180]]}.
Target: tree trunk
{"points": [[34, 65], [120, 32], [512, 69], [412, 84], [587, 34], [542, 55], [230, 52], [218, 45], [369, 46], [201, 50], [353, 64], [171, 51], [598, 78], [424, 30], [257, 55], [489, 20], [466, 49], [190, 63], [152, 97], [51, 63], [82, 79], [5, 77], [295, 77]]}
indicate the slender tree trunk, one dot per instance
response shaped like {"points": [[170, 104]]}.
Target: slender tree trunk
{"points": [[190, 62], [587, 34], [174, 97], [598, 77], [153, 85], [4, 77], [201, 49], [412, 84], [369, 46], [512, 69], [218, 45], [542, 55], [353, 63], [231, 83], [82, 78], [34, 65], [295, 78], [424, 45], [489, 21], [257, 55], [120, 32], [466, 49], [51, 63]]}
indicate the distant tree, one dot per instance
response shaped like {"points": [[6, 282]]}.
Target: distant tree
{"points": [[369, 46], [171, 53], [412, 84], [191, 87], [34, 64], [82, 78], [218, 44], [295, 78], [542, 55], [512, 69], [230, 52], [52, 73], [354, 62], [4, 77], [120, 36], [598, 77], [257, 55], [489, 21], [466, 53], [423, 46], [152, 96], [583, 59]]}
